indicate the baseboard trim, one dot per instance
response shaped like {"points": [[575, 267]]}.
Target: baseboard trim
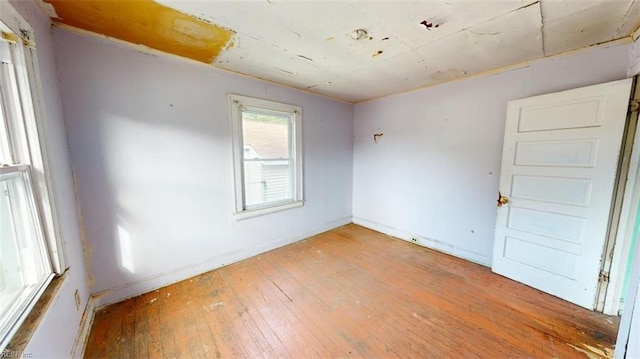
{"points": [[424, 241], [146, 285], [84, 330]]}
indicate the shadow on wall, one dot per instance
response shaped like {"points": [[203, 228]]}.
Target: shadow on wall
{"points": [[149, 174], [150, 140], [149, 180]]}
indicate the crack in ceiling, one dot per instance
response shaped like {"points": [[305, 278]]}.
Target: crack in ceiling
{"points": [[307, 45]]}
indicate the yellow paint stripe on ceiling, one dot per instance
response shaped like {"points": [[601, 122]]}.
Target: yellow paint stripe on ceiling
{"points": [[148, 23]]}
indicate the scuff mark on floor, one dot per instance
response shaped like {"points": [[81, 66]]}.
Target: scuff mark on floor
{"points": [[216, 304], [282, 291], [593, 352], [553, 347]]}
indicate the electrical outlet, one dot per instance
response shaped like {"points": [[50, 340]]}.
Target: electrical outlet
{"points": [[78, 301], [415, 240]]}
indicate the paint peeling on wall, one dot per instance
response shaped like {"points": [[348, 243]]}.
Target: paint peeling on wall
{"points": [[148, 23], [87, 249], [9, 37]]}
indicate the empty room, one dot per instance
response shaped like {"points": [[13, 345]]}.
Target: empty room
{"points": [[319, 179]]}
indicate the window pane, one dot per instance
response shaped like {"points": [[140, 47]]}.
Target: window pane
{"points": [[5, 148], [5, 103], [23, 263], [266, 182], [267, 167], [15, 149], [265, 135], [267, 155]]}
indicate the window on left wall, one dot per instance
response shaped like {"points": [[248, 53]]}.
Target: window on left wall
{"points": [[29, 240]]}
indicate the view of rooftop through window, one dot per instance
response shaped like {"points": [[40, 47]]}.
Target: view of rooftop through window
{"points": [[267, 161]]}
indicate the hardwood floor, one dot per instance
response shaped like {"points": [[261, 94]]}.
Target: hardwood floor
{"points": [[350, 292]]}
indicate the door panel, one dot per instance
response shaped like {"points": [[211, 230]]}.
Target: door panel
{"points": [[546, 224], [556, 153], [559, 165], [565, 115], [573, 191]]}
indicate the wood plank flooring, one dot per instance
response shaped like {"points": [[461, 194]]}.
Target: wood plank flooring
{"points": [[350, 292]]}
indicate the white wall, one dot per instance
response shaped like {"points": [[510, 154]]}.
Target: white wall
{"points": [[150, 142], [633, 350], [434, 174], [57, 332], [633, 343], [628, 340], [634, 59]]}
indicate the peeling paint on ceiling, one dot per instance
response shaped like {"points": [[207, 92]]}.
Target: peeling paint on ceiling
{"points": [[147, 23], [308, 44]]}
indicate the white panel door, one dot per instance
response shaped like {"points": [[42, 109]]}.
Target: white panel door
{"points": [[559, 165]]}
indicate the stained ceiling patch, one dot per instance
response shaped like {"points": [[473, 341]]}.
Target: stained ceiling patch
{"points": [[147, 23]]}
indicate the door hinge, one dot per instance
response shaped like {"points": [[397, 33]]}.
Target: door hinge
{"points": [[634, 105], [603, 277]]}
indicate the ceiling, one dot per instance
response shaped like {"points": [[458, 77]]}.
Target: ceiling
{"points": [[409, 44]]}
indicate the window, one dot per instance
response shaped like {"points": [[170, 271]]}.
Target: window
{"points": [[267, 155], [29, 256], [24, 264]]}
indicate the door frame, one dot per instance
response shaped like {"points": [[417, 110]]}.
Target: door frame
{"points": [[630, 317], [615, 256]]}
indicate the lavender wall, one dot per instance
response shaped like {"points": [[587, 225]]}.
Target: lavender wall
{"points": [[434, 174], [154, 164], [59, 328], [150, 142], [634, 59]]}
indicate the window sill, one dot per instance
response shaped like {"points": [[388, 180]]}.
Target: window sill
{"points": [[21, 338], [262, 211]]}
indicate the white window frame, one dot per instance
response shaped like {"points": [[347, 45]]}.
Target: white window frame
{"points": [[236, 105], [19, 309], [23, 125], [29, 133]]}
